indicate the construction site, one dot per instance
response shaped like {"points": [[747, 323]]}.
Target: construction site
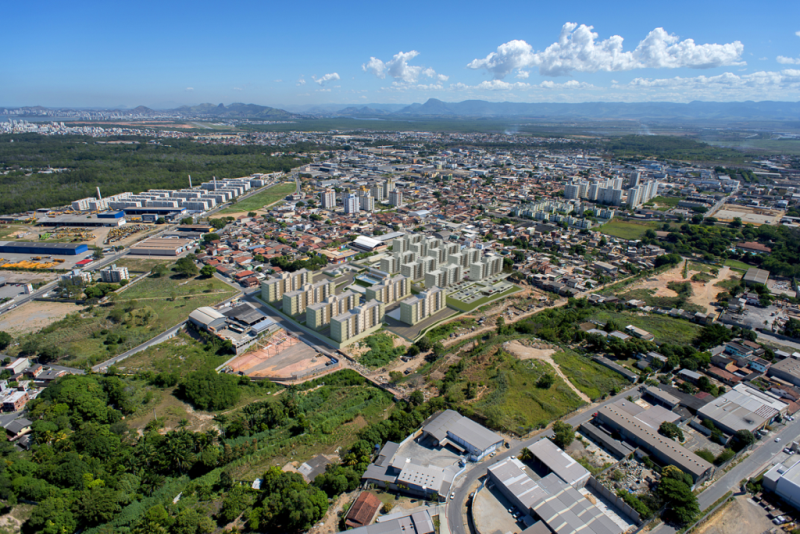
{"points": [[749, 214], [281, 357]]}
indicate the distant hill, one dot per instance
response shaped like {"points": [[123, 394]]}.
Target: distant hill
{"points": [[236, 111], [607, 110]]}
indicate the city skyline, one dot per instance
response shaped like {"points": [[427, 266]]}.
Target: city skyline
{"points": [[105, 56]]}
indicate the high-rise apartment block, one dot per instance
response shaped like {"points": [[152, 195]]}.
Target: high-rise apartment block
{"points": [[396, 198], [320, 314], [420, 307], [359, 320], [295, 302], [328, 199], [351, 203], [273, 288], [390, 290]]}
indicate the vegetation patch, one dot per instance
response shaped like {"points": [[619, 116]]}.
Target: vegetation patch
{"points": [[381, 350], [664, 328], [627, 229], [264, 198], [588, 376]]}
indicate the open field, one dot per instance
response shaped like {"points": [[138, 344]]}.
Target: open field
{"points": [[180, 355], [589, 377], [35, 315], [138, 314], [659, 290], [140, 266], [663, 327], [258, 201], [544, 355], [778, 146], [627, 229], [739, 516], [738, 265], [663, 203], [749, 215]]}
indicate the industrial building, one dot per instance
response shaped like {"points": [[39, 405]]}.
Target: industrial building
{"points": [[784, 481], [241, 325], [642, 431], [416, 523], [555, 460], [755, 276], [451, 427], [552, 504], [787, 369], [161, 247], [44, 249], [401, 473], [743, 408], [113, 219]]}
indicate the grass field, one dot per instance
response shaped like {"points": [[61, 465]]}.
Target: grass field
{"points": [[627, 229], [591, 378], [515, 404], [661, 302], [462, 306], [737, 265], [664, 328], [139, 266], [138, 314], [264, 198], [180, 355], [664, 203]]}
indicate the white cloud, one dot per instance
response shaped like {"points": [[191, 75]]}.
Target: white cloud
{"points": [[763, 85], [326, 78], [278, 81], [190, 89], [399, 69], [578, 49], [788, 60], [237, 88], [797, 33], [301, 80]]}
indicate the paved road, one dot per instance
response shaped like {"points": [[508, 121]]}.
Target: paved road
{"points": [[778, 341], [766, 454], [455, 506]]}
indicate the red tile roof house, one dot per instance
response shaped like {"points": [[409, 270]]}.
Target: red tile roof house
{"points": [[363, 510]]}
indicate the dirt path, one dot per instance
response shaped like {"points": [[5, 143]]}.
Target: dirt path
{"points": [[739, 516], [705, 294], [529, 353], [331, 522]]}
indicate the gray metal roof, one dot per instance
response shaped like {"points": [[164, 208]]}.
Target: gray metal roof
{"points": [[416, 523], [245, 314], [462, 427], [559, 462]]}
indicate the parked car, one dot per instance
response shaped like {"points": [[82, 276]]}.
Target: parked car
{"points": [[777, 440]]}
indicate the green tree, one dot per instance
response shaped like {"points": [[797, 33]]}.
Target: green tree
{"points": [[186, 267], [208, 238], [417, 398], [5, 340], [671, 430], [52, 516], [208, 390], [208, 271], [563, 434], [546, 381]]}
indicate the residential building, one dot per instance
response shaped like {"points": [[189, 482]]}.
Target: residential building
{"points": [[272, 289], [320, 314], [114, 274], [358, 321], [352, 205], [390, 290], [295, 302], [328, 199], [396, 198], [419, 307]]}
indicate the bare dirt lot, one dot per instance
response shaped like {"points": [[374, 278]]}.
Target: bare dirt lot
{"points": [[35, 316], [741, 515], [524, 352], [703, 293]]}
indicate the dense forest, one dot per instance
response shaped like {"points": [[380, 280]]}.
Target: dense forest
{"points": [[88, 471], [119, 167], [669, 147]]}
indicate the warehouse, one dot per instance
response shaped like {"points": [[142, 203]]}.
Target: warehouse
{"points": [[208, 319], [555, 505], [784, 481], [648, 439], [787, 369], [743, 408], [30, 247], [80, 220], [367, 244], [161, 247], [756, 276], [451, 427], [547, 454]]}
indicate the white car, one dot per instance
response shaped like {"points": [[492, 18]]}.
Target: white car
{"points": [[453, 495], [777, 440]]}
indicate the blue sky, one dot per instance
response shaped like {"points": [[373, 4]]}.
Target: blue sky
{"points": [[285, 53]]}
